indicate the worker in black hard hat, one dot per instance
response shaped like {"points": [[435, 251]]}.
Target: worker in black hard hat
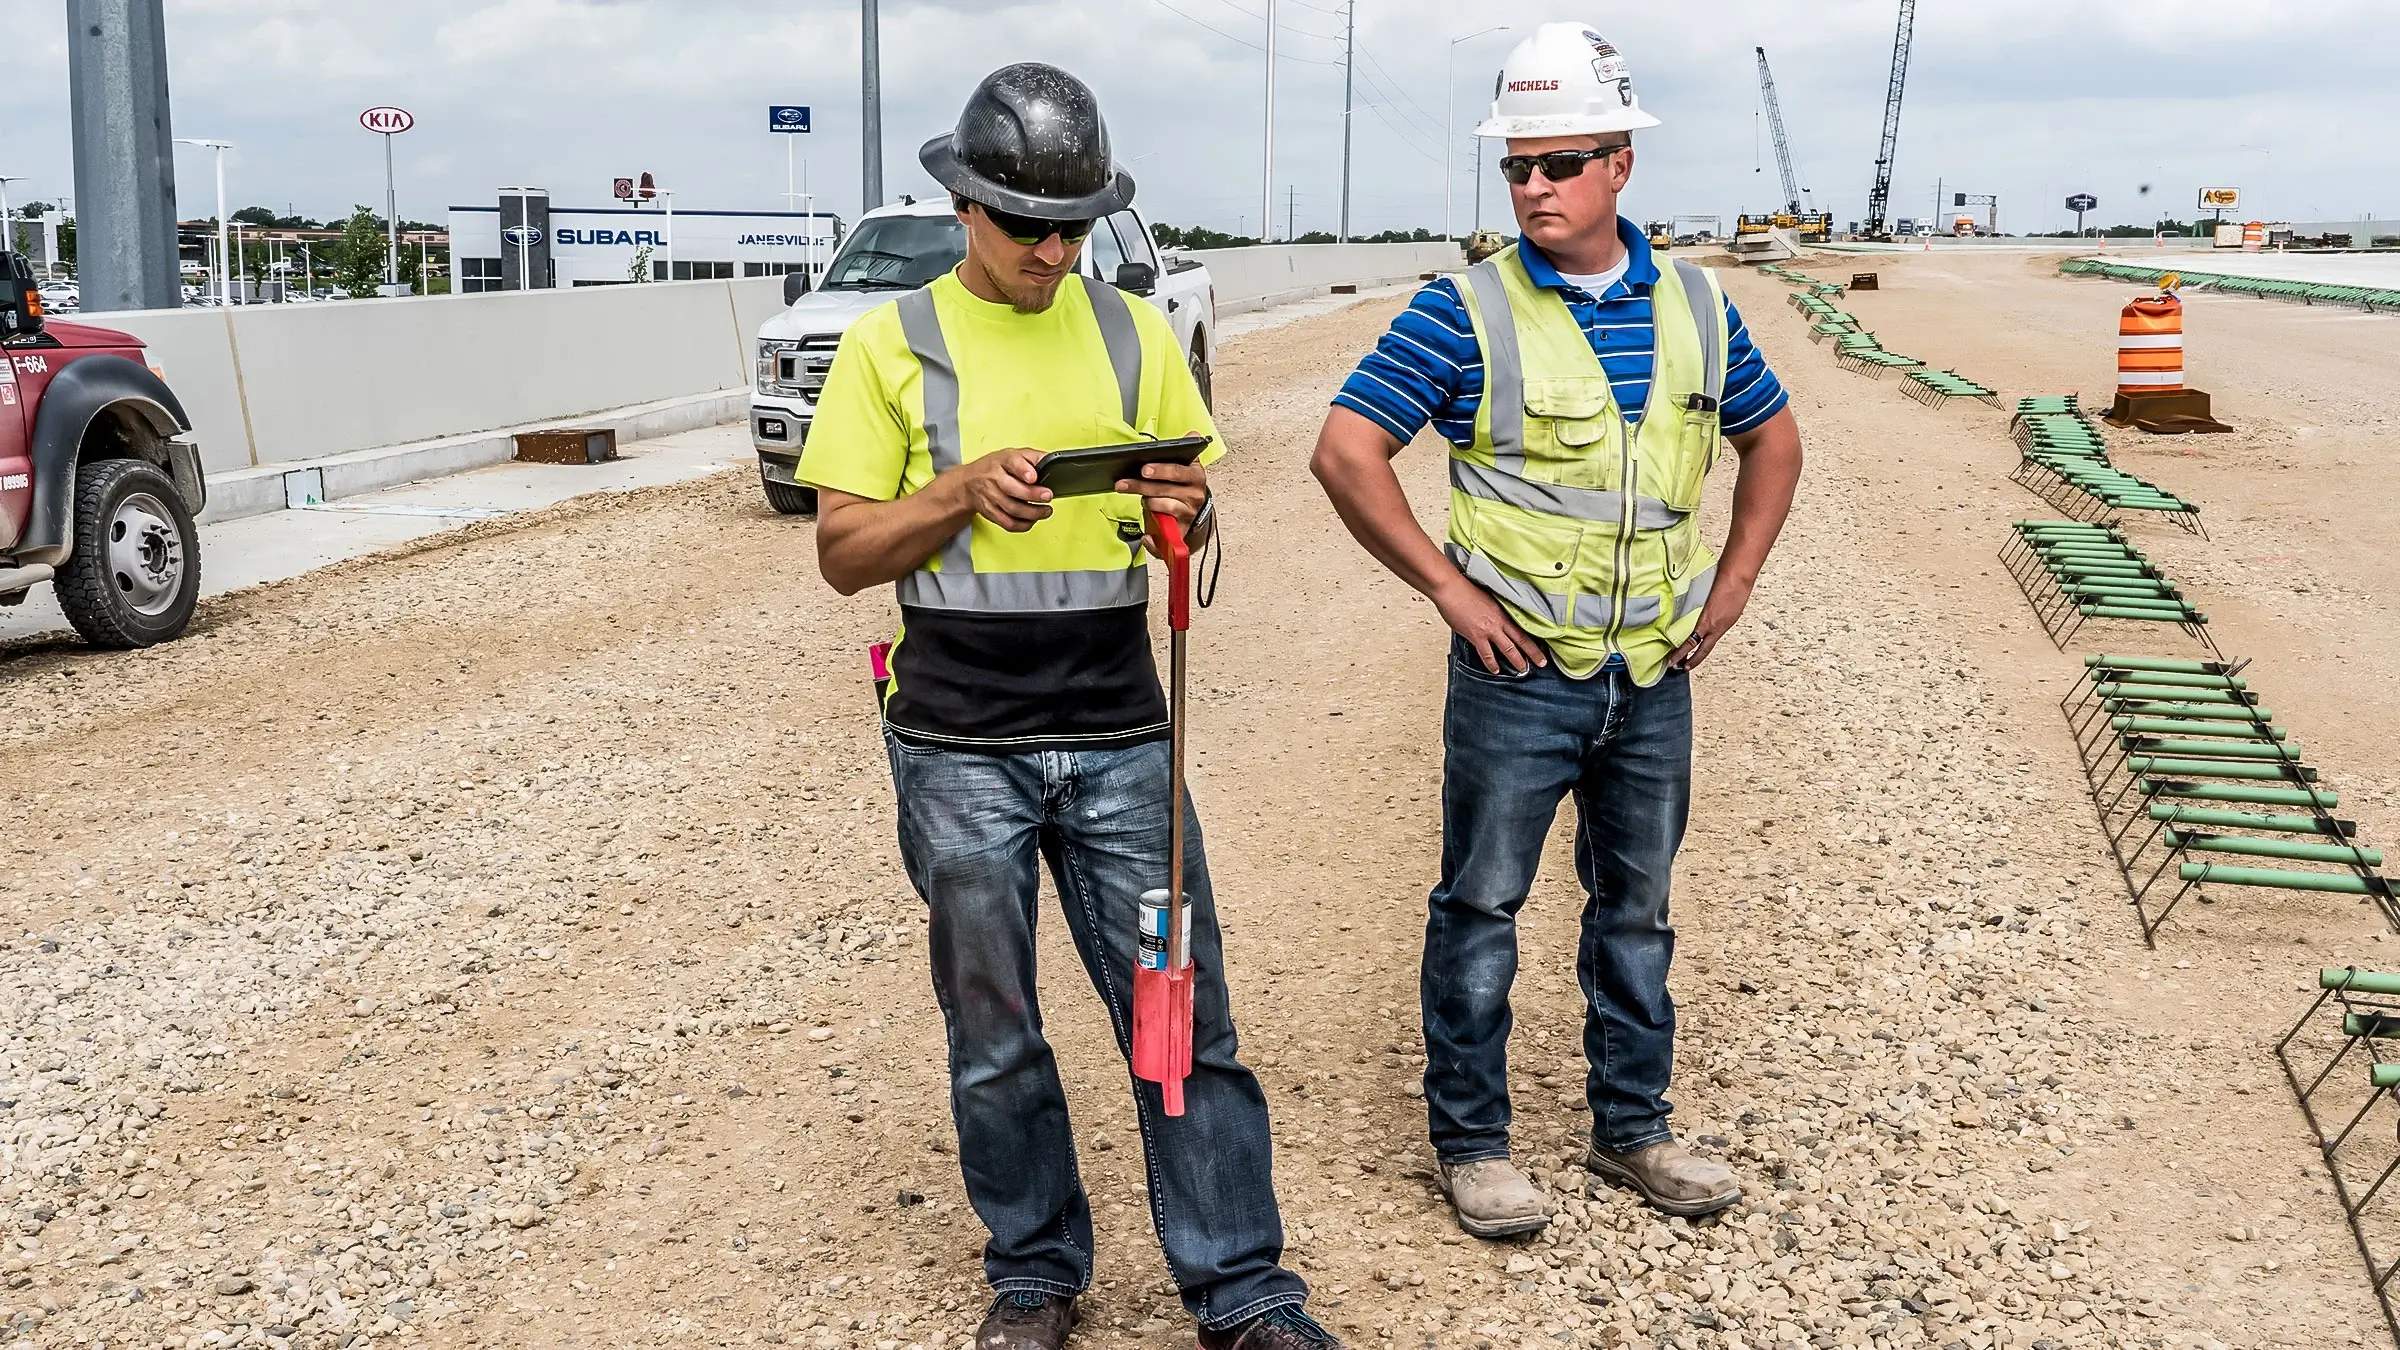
{"points": [[1025, 723]]}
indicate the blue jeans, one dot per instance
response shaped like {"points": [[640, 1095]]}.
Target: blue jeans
{"points": [[1513, 747], [973, 828]]}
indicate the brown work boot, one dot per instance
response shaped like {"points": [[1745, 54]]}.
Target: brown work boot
{"points": [[1284, 1328], [1026, 1319], [1669, 1176], [1493, 1199]]}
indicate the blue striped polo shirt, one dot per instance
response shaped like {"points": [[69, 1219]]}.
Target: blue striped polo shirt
{"points": [[1427, 367]]}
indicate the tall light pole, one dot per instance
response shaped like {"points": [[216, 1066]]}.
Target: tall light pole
{"points": [[1266, 183], [224, 295], [1349, 54], [870, 97], [8, 233], [1449, 115]]}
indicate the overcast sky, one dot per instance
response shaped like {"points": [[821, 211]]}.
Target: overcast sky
{"points": [[2028, 99]]}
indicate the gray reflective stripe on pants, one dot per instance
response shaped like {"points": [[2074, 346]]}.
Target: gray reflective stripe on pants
{"points": [[1124, 343], [1503, 369], [1025, 592], [1708, 315], [1554, 499], [958, 585], [922, 326]]}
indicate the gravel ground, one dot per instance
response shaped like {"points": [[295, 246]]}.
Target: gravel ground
{"points": [[428, 951]]}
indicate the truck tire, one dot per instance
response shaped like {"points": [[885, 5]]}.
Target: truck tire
{"points": [[791, 500], [134, 575], [1200, 372]]}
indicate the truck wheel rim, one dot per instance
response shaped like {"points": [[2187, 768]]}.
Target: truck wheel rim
{"points": [[145, 554]]}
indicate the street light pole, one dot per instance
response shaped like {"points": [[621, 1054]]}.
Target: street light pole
{"points": [[870, 90], [1449, 116], [224, 292], [1266, 184], [8, 233], [1349, 55]]}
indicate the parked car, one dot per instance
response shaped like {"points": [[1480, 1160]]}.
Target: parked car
{"points": [[899, 248], [99, 475]]}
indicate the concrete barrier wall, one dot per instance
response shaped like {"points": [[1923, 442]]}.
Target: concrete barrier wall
{"points": [[272, 385], [1252, 278], [278, 384]]}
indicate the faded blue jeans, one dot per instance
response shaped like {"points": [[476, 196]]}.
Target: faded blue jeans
{"points": [[1513, 747], [973, 829]]}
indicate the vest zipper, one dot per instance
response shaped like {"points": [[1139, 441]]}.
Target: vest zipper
{"points": [[1619, 591]]}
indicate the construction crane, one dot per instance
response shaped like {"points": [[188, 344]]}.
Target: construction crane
{"points": [[1879, 201], [1783, 146]]}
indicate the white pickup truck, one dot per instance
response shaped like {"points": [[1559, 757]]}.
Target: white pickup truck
{"points": [[899, 248]]}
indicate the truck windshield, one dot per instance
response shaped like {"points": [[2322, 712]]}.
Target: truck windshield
{"points": [[897, 253]]}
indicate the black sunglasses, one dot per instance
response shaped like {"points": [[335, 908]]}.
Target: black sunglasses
{"points": [[1034, 229], [1557, 166]]}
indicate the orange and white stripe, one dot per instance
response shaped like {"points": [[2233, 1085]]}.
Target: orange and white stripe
{"points": [[2254, 236], [2150, 345]]}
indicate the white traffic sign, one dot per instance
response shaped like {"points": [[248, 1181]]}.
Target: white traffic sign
{"points": [[388, 121]]}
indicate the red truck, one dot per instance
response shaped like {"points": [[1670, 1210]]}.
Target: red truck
{"points": [[99, 475]]}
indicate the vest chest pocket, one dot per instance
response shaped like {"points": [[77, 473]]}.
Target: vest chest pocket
{"points": [[1565, 420], [1697, 438]]}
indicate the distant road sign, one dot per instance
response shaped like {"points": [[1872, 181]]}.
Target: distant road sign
{"points": [[388, 121], [624, 190], [2220, 199], [787, 117], [2083, 201]]}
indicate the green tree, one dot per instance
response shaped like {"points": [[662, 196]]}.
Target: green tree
{"points": [[357, 256]]}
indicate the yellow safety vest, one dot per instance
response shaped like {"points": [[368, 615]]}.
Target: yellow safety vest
{"points": [[1585, 528]]}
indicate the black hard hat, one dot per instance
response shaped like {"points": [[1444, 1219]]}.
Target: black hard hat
{"points": [[1030, 141]]}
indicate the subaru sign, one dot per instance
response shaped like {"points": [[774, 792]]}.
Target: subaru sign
{"points": [[787, 117]]}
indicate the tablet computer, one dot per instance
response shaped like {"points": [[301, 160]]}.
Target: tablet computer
{"points": [[1099, 468]]}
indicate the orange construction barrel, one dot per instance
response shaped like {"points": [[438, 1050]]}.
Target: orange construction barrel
{"points": [[2254, 236], [2150, 345]]}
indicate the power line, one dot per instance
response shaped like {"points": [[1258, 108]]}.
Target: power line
{"points": [[1405, 137], [1392, 96], [1398, 87], [1280, 26], [1280, 56]]}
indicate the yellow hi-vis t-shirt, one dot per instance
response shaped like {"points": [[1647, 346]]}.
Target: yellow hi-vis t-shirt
{"points": [[1010, 682]]}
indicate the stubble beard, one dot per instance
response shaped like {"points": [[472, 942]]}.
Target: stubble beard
{"points": [[1022, 299]]}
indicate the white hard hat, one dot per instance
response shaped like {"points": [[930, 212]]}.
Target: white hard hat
{"points": [[1565, 80]]}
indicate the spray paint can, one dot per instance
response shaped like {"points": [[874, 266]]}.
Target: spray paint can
{"points": [[1151, 949]]}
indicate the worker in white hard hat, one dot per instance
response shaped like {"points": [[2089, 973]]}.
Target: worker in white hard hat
{"points": [[1584, 390]]}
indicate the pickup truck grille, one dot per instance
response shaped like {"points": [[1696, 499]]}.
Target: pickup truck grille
{"points": [[800, 370]]}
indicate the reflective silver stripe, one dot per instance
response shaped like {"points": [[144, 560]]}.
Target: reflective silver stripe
{"points": [[1515, 590], [921, 324], [1503, 369], [1016, 592], [1591, 611], [1124, 344], [1649, 513], [958, 585], [1708, 315]]}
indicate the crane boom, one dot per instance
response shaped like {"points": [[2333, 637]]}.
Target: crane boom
{"points": [[1879, 201], [1783, 146]]}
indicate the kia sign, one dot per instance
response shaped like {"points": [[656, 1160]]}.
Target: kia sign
{"points": [[2082, 202], [388, 121], [789, 117]]}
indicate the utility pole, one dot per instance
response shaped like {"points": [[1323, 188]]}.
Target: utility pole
{"points": [[1266, 184], [124, 154], [870, 97], [1291, 213], [1449, 115], [1349, 54]]}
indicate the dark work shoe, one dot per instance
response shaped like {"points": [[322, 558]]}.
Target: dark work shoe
{"points": [[1284, 1328], [1027, 1319]]}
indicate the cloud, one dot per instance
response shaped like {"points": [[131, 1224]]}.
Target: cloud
{"points": [[2030, 99]]}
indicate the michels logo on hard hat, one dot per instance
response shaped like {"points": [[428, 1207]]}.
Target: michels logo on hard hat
{"points": [[1531, 86]]}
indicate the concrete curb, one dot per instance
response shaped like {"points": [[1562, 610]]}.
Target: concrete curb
{"points": [[251, 492]]}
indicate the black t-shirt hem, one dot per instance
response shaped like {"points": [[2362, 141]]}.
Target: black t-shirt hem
{"points": [[1030, 745]]}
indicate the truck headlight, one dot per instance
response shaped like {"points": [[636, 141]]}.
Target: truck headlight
{"points": [[772, 355]]}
